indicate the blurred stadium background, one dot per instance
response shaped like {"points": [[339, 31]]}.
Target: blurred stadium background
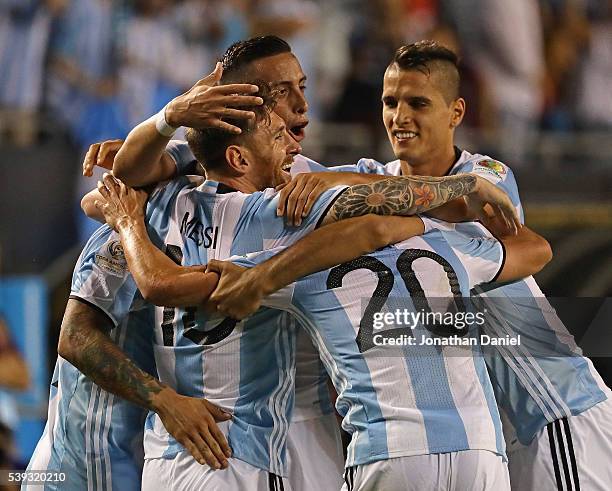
{"points": [[537, 77]]}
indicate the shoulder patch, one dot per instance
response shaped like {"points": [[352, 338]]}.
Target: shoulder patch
{"points": [[493, 166], [112, 259]]}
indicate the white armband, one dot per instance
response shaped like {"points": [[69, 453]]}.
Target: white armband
{"points": [[162, 126]]}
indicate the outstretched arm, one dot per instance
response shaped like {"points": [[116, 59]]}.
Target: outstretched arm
{"points": [[240, 290], [411, 195], [84, 342], [163, 282], [298, 195]]}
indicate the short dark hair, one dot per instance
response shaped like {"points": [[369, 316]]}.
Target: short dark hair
{"points": [[241, 53], [209, 144], [427, 55]]}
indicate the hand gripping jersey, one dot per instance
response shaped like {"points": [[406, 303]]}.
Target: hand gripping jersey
{"points": [[544, 379], [245, 367], [401, 400], [95, 437]]}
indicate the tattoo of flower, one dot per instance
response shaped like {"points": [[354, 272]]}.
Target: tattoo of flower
{"points": [[425, 195]]}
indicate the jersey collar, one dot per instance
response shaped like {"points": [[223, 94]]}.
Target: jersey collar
{"points": [[216, 187]]}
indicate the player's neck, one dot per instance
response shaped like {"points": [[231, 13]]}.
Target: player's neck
{"points": [[436, 167], [239, 183]]}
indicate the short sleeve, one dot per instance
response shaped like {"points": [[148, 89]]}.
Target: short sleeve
{"points": [[483, 256], [259, 213], [302, 164], [185, 161], [101, 277]]}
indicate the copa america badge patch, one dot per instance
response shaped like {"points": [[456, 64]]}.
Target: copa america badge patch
{"points": [[112, 259], [493, 167]]}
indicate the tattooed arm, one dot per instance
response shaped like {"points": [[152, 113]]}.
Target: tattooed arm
{"points": [[85, 343], [412, 195]]}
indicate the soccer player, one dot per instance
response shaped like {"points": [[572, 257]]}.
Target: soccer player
{"points": [[91, 435], [94, 431], [557, 406], [243, 56], [419, 417], [208, 222]]}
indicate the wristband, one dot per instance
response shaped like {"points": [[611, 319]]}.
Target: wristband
{"points": [[162, 126]]}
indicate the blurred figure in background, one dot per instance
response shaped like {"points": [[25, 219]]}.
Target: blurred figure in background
{"points": [[155, 63], [24, 34], [295, 21], [211, 25], [82, 71], [566, 38], [506, 44], [14, 376], [594, 105]]}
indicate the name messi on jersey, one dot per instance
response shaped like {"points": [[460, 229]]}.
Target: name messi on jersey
{"points": [[203, 236]]}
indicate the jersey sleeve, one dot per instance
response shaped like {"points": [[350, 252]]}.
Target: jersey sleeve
{"points": [[101, 277], [303, 164], [498, 174], [185, 161], [482, 255], [259, 214]]}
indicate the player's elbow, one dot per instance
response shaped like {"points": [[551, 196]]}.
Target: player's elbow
{"points": [[66, 346], [88, 205], [122, 172], [154, 293], [542, 251]]}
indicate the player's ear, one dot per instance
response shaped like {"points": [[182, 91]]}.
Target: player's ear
{"points": [[235, 158], [457, 112]]}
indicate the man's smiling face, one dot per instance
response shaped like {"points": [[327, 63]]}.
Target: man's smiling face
{"points": [[418, 119]]}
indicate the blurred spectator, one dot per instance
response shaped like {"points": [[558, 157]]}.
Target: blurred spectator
{"points": [[296, 21], [372, 42], [212, 25], [24, 33], [479, 110], [14, 376], [408, 21], [507, 48], [83, 81], [566, 36], [594, 104], [156, 64]]}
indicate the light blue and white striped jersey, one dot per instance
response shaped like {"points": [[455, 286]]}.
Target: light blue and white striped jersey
{"points": [[410, 399], [545, 378], [311, 392], [93, 436], [245, 367]]}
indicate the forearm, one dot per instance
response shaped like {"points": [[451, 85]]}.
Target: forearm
{"points": [[160, 280], [526, 254], [142, 159], [401, 196], [331, 245], [454, 211], [84, 344]]}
